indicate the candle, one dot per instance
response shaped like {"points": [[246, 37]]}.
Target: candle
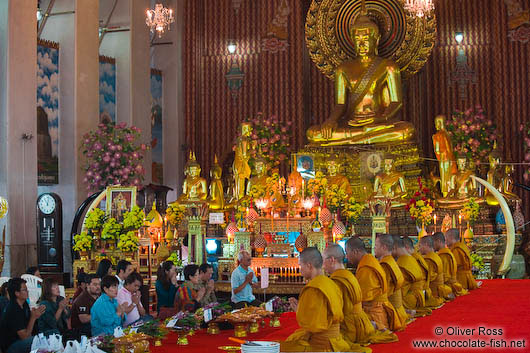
{"points": [[434, 222], [459, 219], [303, 189]]}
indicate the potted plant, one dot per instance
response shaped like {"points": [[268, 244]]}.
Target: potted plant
{"points": [[83, 244], [111, 230], [95, 219], [128, 243]]}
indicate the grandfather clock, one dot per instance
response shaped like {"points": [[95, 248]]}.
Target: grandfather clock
{"points": [[50, 233]]}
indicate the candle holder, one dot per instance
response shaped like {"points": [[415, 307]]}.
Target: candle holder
{"points": [[213, 328], [254, 327], [240, 330]]}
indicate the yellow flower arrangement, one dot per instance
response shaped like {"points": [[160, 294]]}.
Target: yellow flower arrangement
{"points": [[318, 185], [128, 242], [336, 198], [134, 219], [175, 214], [470, 210], [111, 229], [353, 210], [95, 219], [82, 242], [257, 191], [420, 207]]}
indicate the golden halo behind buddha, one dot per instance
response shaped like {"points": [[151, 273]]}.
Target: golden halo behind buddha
{"points": [[406, 39]]}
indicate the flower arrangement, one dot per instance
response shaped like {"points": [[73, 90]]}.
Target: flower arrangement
{"points": [[472, 133], [353, 210], [280, 305], [134, 219], [257, 191], [175, 214], [111, 229], [271, 137], [336, 198], [217, 309], [318, 185], [477, 263], [153, 329], [185, 321], [525, 129], [113, 156], [470, 210], [128, 242], [95, 219], [420, 207], [175, 259], [82, 242]]}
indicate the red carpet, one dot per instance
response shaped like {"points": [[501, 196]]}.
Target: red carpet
{"points": [[498, 305]]}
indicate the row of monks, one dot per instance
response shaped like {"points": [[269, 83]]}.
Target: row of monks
{"points": [[347, 312]]}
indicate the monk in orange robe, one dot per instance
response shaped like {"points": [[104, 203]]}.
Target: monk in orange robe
{"points": [[394, 278], [463, 260], [449, 264], [438, 287], [414, 281], [372, 280], [430, 300], [356, 327], [318, 310]]}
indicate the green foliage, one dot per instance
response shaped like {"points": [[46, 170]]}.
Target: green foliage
{"points": [[95, 219], [111, 230], [134, 219]]}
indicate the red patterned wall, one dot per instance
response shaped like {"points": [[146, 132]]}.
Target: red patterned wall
{"points": [[289, 85]]}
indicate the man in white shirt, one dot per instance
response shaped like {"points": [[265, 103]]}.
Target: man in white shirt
{"points": [[123, 270], [130, 294]]}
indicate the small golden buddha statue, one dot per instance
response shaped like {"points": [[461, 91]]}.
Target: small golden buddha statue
{"points": [[507, 184], [335, 178], [216, 200], [194, 187], [494, 175], [443, 150], [260, 179], [391, 184], [367, 96], [240, 167]]}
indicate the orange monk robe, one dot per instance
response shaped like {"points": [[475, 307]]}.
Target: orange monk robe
{"points": [[438, 287], [356, 327], [372, 280], [450, 267], [394, 280], [412, 290], [319, 315], [463, 266], [430, 300]]}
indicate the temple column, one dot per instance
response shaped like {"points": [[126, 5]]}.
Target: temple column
{"points": [[140, 78], [18, 131], [86, 82]]}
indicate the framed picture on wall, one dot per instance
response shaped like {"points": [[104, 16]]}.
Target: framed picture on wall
{"points": [[120, 200], [304, 163]]}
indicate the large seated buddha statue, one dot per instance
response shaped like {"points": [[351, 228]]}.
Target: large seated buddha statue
{"points": [[367, 95]]}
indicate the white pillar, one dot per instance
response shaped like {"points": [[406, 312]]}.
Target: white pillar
{"points": [[86, 81], [18, 117]]}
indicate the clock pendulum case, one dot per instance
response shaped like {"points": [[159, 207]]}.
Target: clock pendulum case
{"points": [[50, 233]]}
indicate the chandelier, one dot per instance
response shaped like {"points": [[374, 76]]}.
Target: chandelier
{"points": [[419, 7], [159, 19]]}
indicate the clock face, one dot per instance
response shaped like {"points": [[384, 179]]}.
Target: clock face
{"points": [[47, 204]]}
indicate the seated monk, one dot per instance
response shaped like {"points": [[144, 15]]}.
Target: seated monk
{"points": [[414, 280], [318, 311], [463, 260], [438, 287], [449, 264], [394, 278], [372, 280], [430, 300], [356, 327]]}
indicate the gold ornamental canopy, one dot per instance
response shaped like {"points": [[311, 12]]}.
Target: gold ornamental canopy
{"points": [[405, 38]]}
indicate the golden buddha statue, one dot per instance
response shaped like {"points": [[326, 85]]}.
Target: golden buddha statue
{"points": [[240, 167], [494, 175], [391, 184], [216, 200], [274, 191], [443, 150], [462, 184], [260, 179], [367, 96], [194, 187], [335, 178], [507, 184]]}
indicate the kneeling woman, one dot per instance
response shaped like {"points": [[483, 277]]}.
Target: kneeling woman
{"points": [[190, 292], [55, 318]]}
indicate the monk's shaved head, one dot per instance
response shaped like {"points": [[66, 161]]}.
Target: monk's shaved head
{"points": [[427, 241], [355, 243], [439, 237], [452, 234], [398, 242], [408, 243], [311, 256], [387, 241], [335, 251]]}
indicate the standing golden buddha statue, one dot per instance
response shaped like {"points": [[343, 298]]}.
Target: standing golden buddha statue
{"points": [[494, 175], [216, 201], [194, 187], [367, 95], [392, 184], [240, 167], [335, 178], [443, 150]]}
